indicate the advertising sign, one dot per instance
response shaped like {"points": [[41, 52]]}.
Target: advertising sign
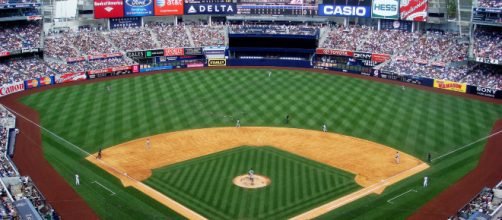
{"points": [[217, 62], [482, 91], [196, 51], [70, 77], [380, 58], [413, 10], [7, 89], [362, 56], [449, 85], [104, 56], [138, 8], [4, 53], [387, 9], [344, 10], [154, 53], [169, 52], [168, 7], [211, 8], [136, 54], [108, 8], [33, 83], [132, 22], [324, 51]]}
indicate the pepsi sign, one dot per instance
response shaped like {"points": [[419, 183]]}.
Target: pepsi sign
{"points": [[138, 8], [344, 10]]}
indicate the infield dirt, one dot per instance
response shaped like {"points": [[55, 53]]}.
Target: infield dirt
{"points": [[373, 164]]}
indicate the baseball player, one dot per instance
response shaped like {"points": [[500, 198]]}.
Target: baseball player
{"points": [[429, 157], [108, 88], [426, 181], [269, 74], [324, 128], [398, 157], [77, 180], [238, 124], [402, 87], [287, 119], [251, 175], [148, 144], [99, 154]]}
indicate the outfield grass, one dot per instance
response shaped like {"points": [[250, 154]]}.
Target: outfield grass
{"points": [[298, 184], [413, 121]]}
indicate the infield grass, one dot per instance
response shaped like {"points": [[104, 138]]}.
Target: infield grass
{"points": [[410, 120], [297, 184]]}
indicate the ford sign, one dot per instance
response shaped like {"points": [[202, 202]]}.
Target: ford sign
{"points": [[344, 10]]}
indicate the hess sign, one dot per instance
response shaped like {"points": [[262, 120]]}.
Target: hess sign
{"points": [[344, 10]]}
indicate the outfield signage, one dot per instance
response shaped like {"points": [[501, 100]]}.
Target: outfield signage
{"points": [[71, 77], [138, 8], [168, 7], [211, 8], [4, 53], [170, 52], [413, 10], [449, 85], [132, 22], [7, 89], [217, 62], [154, 53], [379, 58], [195, 51], [344, 10], [387, 9], [362, 56], [478, 59], [108, 8], [325, 51]]}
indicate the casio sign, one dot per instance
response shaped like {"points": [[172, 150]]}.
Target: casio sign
{"points": [[385, 8], [340, 10]]}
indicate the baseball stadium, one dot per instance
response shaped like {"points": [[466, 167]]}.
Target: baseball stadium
{"points": [[251, 109]]}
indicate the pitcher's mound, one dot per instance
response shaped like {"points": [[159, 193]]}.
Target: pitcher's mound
{"points": [[245, 182]]}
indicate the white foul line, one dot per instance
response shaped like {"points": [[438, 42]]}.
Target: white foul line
{"points": [[106, 164], [411, 190], [113, 193], [468, 145]]}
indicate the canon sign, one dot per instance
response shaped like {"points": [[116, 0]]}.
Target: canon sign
{"points": [[385, 9], [344, 10], [7, 89]]}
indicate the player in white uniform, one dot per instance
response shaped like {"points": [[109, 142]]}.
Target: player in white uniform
{"points": [[269, 74], [148, 144], [77, 180], [324, 128], [426, 181], [238, 124]]}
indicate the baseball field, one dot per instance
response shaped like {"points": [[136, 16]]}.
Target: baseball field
{"points": [[364, 119]]}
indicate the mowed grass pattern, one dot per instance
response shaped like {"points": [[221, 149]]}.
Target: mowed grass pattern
{"points": [[410, 120], [205, 184]]}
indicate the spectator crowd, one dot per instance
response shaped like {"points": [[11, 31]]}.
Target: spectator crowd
{"points": [[426, 54]]}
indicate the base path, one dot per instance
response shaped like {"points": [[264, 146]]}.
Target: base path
{"points": [[373, 164]]}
